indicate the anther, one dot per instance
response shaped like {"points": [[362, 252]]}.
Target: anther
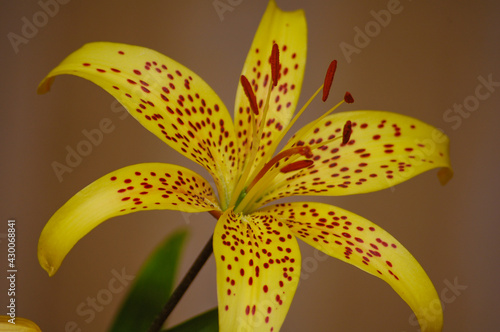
{"points": [[275, 63], [329, 79], [250, 95], [346, 133], [348, 98], [295, 166]]}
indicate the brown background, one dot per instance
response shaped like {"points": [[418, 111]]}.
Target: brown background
{"points": [[428, 58]]}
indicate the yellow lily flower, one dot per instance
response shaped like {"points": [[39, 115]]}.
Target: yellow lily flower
{"points": [[257, 255], [17, 324]]}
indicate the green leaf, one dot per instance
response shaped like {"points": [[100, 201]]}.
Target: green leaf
{"points": [[152, 287], [205, 322]]}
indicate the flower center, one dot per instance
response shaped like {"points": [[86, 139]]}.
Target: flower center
{"points": [[295, 159]]}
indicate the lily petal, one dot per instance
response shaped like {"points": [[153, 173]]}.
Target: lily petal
{"points": [[357, 241], [258, 269], [289, 31], [384, 149], [140, 187], [167, 98], [20, 325]]}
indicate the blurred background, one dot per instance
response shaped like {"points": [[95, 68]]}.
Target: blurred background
{"points": [[432, 60]]}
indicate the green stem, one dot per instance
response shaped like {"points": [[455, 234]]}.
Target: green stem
{"points": [[182, 287]]}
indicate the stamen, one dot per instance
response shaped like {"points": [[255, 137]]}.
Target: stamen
{"points": [[250, 95], [329, 79], [295, 166], [251, 187], [346, 133], [348, 98], [275, 63]]}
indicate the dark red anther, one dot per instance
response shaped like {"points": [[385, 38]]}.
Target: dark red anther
{"points": [[346, 133], [348, 98], [295, 166], [250, 95], [329, 79], [275, 63]]}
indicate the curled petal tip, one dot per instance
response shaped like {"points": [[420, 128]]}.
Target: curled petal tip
{"points": [[50, 270], [44, 86], [444, 175], [44, 263]]}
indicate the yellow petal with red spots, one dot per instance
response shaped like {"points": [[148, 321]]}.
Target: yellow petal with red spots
{"points": [[17, 324], [167, 98], [289, 31], [357, 241], [384, 149], [141, 187], [258, 269]]}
